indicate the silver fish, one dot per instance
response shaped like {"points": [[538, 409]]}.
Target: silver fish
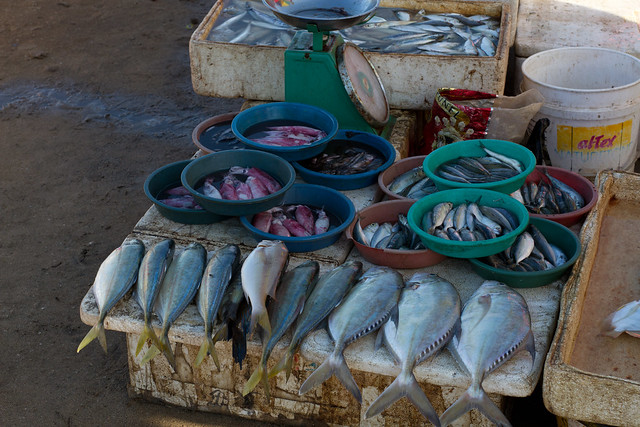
{"points": [[290, 297], [150, 275], [177, 290], [380, 287], [116, 275], [428, 316], [515, 164], [524, 247], [260, 275], [495, 324], [625, 319], [216, 278], [405, 180]]}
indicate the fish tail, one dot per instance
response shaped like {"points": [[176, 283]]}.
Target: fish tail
{"points": [[335, 364], [207, 347], [259, 375], [261, 317], [147, 333], [163, 346], [285, 364], [404, 385], [97, 331], [474, 398]]}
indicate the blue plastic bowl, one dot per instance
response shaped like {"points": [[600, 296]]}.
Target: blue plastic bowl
{"points": [[166, 177], [473, 148], [286, 112], [336, 204], [275, 166], [358, 180]]}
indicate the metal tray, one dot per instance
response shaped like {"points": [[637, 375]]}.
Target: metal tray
{"points": [[333, 15]]}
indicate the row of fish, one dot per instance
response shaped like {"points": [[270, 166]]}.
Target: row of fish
{"points": [[344, 159], [388, 235], [413, 184], [391, 30], [468, 222], [292, 220], [288, 136], [239, 183], [550, 197], [530, 252], [474, 170]]}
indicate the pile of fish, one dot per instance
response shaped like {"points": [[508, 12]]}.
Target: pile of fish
{"points": [[549, 197], [344, 159], [178, 197], [625, 319], [413, 184], [416, 319], [391, 30], [288, 136], [388, 235], [239, 183], [530, 252], [477, 170], [292, 220], [468, 222]]}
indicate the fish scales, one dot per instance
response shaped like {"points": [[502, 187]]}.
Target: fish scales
{"points": [[428, 315], [380, 287]]}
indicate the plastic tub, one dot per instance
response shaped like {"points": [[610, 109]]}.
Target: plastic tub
{"points": [[357, 180], [477, 249], [592, 99], [388, 212], [556, 234], [336, 204], [395, 170], [473, 148], [205, 134]]}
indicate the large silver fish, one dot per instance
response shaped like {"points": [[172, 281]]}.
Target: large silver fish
{"points": [[371, 302], [428, 316], [152, 270], [625, 319], [296, 284], [116, 275], [260, 275], [177, 290], [495, 324], [327, 293], [215, 280]]}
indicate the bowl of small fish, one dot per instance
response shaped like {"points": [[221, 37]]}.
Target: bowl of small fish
{"points": [[238, 182], [489, 164], [540, 255], [164, 188], [351, 160], [405, 179], [291, 130], [382, 236], [557, 194], [468, 223], [215, 134], [310, 217]]}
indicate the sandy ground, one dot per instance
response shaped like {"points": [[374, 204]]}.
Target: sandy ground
{"points": [[94, 95]]}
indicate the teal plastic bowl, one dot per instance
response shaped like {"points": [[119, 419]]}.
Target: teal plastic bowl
{"points": [[166, 177], [472, 148], [556, 234], [338, 207], [286, 113], [477, 249], [356, 180], [274, 165]]}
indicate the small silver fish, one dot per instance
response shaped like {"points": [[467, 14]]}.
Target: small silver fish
{"points": [[625, 319]]}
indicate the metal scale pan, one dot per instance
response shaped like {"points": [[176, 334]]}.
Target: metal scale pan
{"points": [[332, 15]]}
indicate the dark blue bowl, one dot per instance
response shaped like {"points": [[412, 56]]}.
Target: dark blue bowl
{"points": [[275, 166], [169, 176], [354, 181], [338, 207], [286, 112]]}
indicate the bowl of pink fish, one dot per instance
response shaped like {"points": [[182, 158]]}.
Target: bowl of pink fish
{"points": [[172, 200], [238, 182], [309, 218], [292, 131]]}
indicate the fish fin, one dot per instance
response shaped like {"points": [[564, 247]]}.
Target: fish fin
{"points": [[222, 334], [530, 346], [238, 345], [150, 354], [259, 375], [260, 317], [207, 347], [165, 347], [474, 398], [97, 331], [147, 333], [285, 364], [379, 339], [335, 364]]}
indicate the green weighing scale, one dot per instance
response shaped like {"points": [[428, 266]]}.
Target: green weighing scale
{"points": [[322, 69]]}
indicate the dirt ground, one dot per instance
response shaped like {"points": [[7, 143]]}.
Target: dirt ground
{"points": [[94, 95]]}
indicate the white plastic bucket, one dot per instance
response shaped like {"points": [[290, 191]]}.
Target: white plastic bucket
{"points": [[592, 100]]}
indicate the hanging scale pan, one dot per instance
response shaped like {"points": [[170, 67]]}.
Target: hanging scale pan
{"points": [[363, 85], [327, 15]]}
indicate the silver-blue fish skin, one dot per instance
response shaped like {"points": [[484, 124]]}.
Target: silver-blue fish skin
{"points": [[152, 270]]}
